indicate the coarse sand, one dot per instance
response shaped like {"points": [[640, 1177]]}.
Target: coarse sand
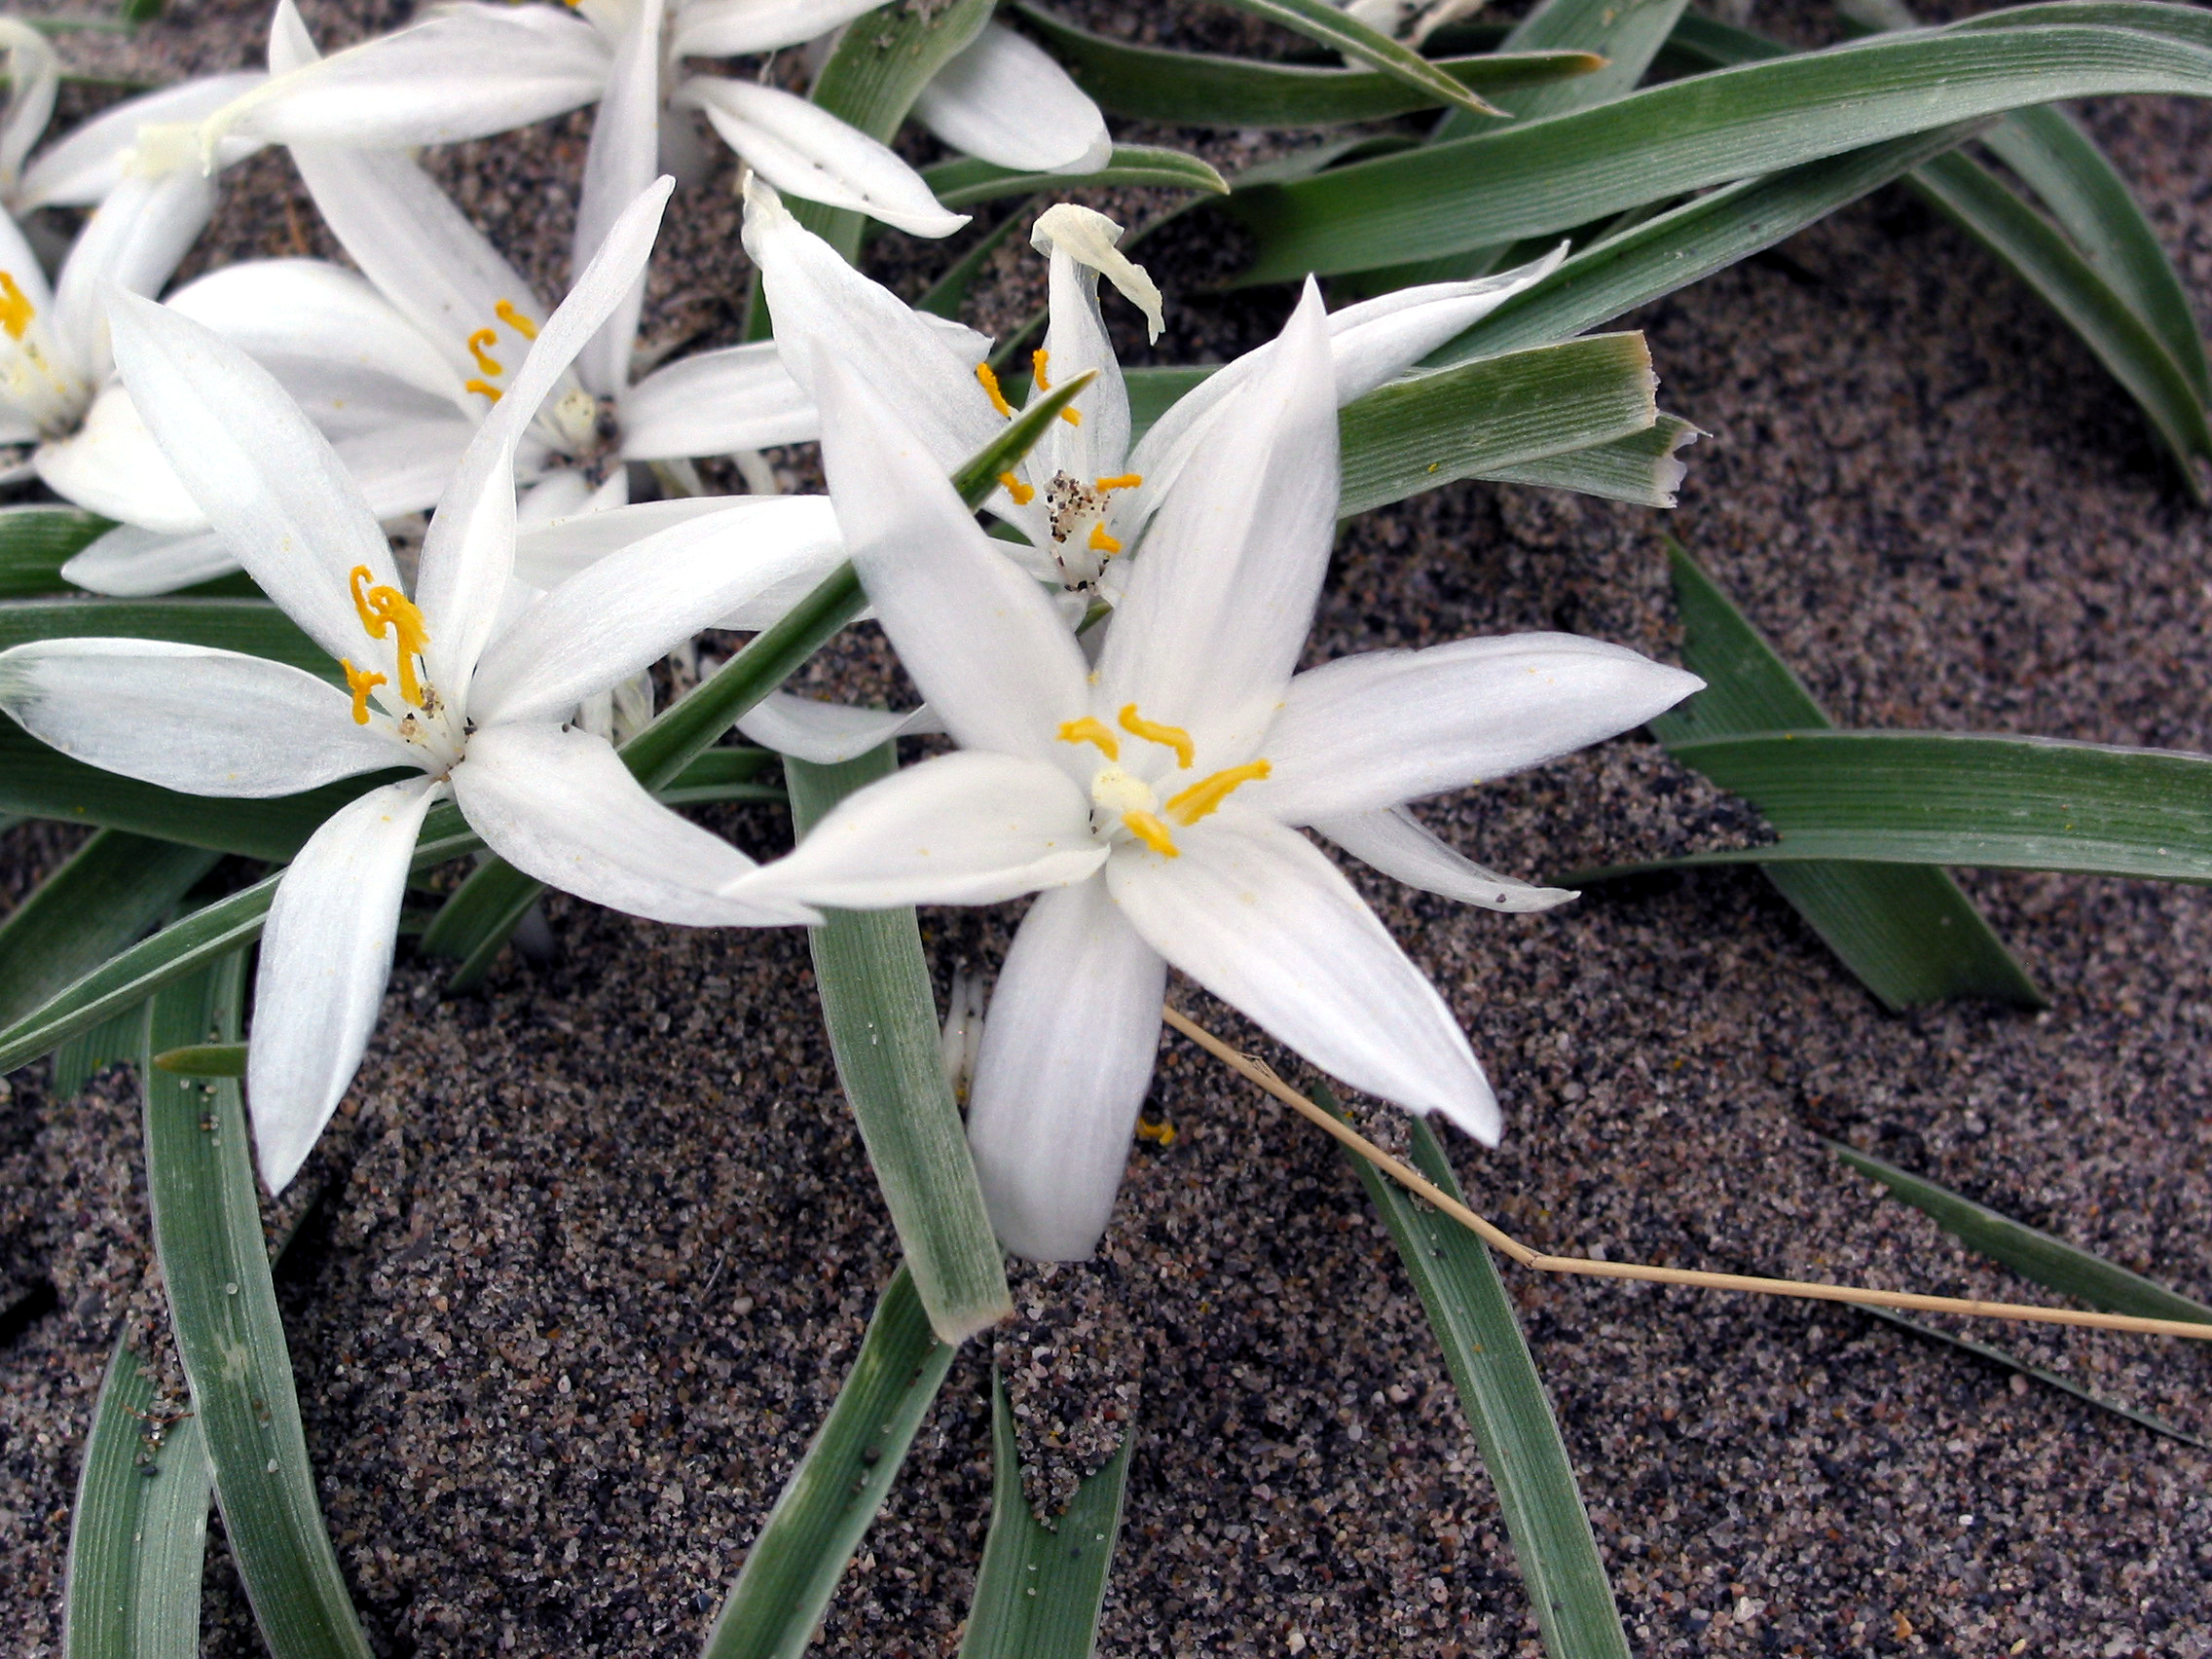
{"points": [[586, 1254]]}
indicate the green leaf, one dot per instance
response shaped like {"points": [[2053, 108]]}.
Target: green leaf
{"points": [[139, 1534], [881, 1015], [1339, 31], [35, 542], [1640, 468], [223, 1305], [203, 1059], [1189, 88], [1552, 174], [254, 626], [966, 182], [2032, 1254], [1506, 1406], [1908, 934], [116, 887], [112, 1041], [1039, 1589], [794, 1566]]}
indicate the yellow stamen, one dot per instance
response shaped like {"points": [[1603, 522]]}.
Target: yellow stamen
{"points": [[15, 308], [1163, 1133], [1091, 730], [1037, 363], [482, 338], [386, 611], [1101, 542], [1022, 493], [990, 385], [1173, 737], [1072, 416], [1152, 832], [360, 681], [1202, 796], [505, 311], [477, 386], [1126, 481]]}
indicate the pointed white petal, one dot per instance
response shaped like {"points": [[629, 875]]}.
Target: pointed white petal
{"points": [[1223, 594], [828, 733], [1398, 845], [1090, 238], [81, 170], [112, 465], [979, 638], [1379, 339], [802, 149], [465, 72], [561, 806], [549, 552], [133, 241], [325, 956], [306, 308], [734, 28], [1257, 916], [190, 717], [555, 497], [1068, 1049], [1076, 343], [469, 553], [129, 563], [964, 828], [1373, 731], [628, 610], [268, 481], [1002, 99], [740, 398], [405, 466], [34, 76], [621, 160]]}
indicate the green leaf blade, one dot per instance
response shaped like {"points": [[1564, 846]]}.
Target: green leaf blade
{"points": [[115, 888], [35, 542], [1339, 31], [966, 182]]}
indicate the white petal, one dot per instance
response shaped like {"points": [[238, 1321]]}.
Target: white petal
{"points": [[34, 76], [85, 165], [469, 553], [466, 73], [133, 241], [1373, 731], [1218, 610], [1398, 845], [111, 466], [307, 308], [1068, 1049], [734, 28], [1076, 343], [405, 466], [713, 402], [561, 806], [966, 828], [1002, 99], [828, 733], [1090, 238], [801, 148], [325, 956], [129, 563], [628, 610], [621, 160], [268, 481], [1379, 339], [548, 552], [191, 717], [981, 639], [1257, 915]]}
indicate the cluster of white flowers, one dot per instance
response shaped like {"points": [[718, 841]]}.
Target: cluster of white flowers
{"points": [[1134, 741]]}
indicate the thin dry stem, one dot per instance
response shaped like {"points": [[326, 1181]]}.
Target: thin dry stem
{"points": [[1259, 1072]]}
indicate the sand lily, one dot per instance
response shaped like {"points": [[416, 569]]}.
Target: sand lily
{"points": [[1156, 800], [470, 700]]}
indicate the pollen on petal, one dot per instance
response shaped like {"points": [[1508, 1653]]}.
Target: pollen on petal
{"points": [[1152, 731], [1190, 805], [477, 341], [1022, 493], [505, 311], [1038, 360], [481, 389], [1153, 833], [1091, 730], [989, 382]]}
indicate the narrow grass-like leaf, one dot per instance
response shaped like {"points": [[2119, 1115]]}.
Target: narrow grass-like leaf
{"points": [[966, 182], [2028, 1251], [881, 1015], [223, 1305], [112, 1041], [1039, 1589], [1506, 1406], [1190, 89], [139, 1538], [794, 1566], [116, 887], [1552, 174], [1909, 933], [1340, 31], [35, 542], [1640, 468], [254, 626]]}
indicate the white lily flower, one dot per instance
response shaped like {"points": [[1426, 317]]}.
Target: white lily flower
{"points": [[1156, 800], [1005, 99], [454, 686]]}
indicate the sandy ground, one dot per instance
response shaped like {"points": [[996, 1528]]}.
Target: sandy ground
{"points": [[594, 1247]]}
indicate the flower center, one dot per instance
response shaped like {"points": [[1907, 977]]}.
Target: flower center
{"points": [[1076, 513], [35, 381], [1121, 804]]}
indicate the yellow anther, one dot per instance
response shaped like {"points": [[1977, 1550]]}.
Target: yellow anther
{"points": [[482, 338], [1101, 542], [386, 611], [1202, 796], [505, 311], [1152, 832], [1022, 493], [990, 385], [1091, 730], [15, 308], [1037, 363], [1163, 1133], [360, 681], [1072, 416], [1126, 481], [477, 386], [1173, 737]]}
